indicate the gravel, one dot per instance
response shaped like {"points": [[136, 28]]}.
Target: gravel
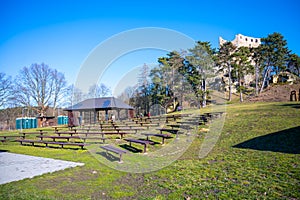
{"points": [[15, 167]]}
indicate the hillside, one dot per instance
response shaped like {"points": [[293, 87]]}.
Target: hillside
{"points": [[276, 93]]}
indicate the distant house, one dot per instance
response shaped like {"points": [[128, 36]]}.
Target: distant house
{"points": [[94, 110]]}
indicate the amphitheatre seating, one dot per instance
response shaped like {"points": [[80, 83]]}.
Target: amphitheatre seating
{"points": [[32, 133], [171, 130], [113, 149], [143, 142], [6, 138], [58, 137], [93, 138], [163, 136], [114, 133], [90, 133], [62, 144], [184, 126], [103, 133], [128, 129], [71, 133], [190, 122]]}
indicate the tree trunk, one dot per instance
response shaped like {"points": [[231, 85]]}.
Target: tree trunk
{"points": [[264, 80], [256, 80], [241, 91], [229, 82], [204, 93]]}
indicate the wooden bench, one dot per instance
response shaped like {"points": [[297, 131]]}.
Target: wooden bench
{"points": [[115, 133], [58, 137], [67, 143], [90, 133], [29, 141], [184, 126], [6, 138], [163, 136], [114, 150], [93, 138], [143, 142], [122, 129], [192, 122], [171, 130], [108, 129], [32, 142], [32, 133], [66, 133]]}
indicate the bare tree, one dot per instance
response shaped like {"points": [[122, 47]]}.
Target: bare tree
{"points": [[59, 88], [39, 86], [5, 88], [96, 91]]}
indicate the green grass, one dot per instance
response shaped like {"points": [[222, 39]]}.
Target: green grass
{"points": [[256, 157]]}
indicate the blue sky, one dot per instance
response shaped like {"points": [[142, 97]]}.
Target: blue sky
{"points": [[63, 33]]}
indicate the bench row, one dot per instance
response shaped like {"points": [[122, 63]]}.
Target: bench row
{"points": [[62, 144]]}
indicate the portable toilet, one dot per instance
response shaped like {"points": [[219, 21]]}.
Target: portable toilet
{"points": [[19, 123], [26, 122], [33, 122], [59, 120], [62, 120], [66, 120]]}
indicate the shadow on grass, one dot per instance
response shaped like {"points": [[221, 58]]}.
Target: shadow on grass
{"points": [[153, 142], [2, 151], [131, 148], [109, 156], [293, 105], [285, 141]]}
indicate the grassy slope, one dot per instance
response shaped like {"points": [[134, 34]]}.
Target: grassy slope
{"points": [[256, 157]]}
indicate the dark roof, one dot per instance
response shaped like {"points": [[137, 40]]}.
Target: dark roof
{"points": [[105, 103]]}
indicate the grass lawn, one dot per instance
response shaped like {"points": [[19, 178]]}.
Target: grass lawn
{"points": [[256, 157]]}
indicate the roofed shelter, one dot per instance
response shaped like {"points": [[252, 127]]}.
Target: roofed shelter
{"points": [[94, 106]]}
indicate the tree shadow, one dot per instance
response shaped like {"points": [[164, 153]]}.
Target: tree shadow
{"points": [[293, 105], [285, 141]]}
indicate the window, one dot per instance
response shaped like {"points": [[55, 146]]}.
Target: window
{"points": [[256, 40], [251, 40], [246, 39]]}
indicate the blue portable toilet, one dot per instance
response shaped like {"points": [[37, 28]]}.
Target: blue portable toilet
{"points": [[33, 122], [26, 122], [62, 120], [59, 120], [66, 120], [19, 123]]}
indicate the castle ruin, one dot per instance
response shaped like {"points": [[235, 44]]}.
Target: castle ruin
{"points": [[240, 41]]}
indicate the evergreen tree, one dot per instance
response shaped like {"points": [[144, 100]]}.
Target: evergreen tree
{"points": [[241, 66], [274, 54], [224, 60], [294, 64], [201, 64]]}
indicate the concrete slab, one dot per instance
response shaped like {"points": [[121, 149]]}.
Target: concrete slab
{"points": [[15, 167]]}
